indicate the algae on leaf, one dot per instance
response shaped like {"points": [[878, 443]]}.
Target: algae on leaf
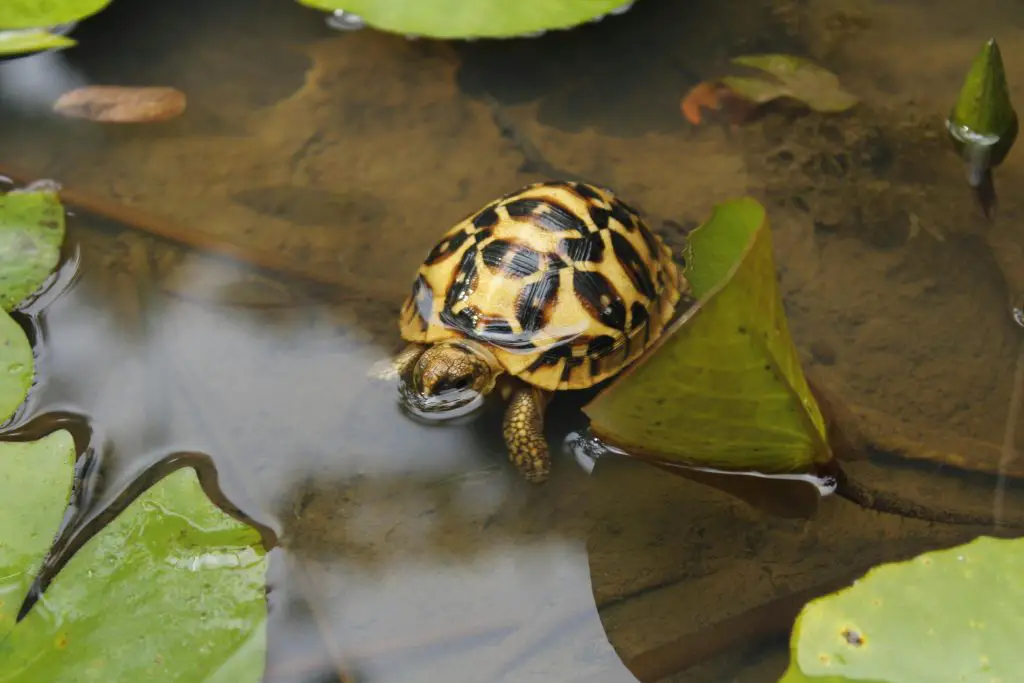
{"points": [[793, 77], [18, 42], [45, 13], [172, 590], [31, 235], [461, 19], [723, 387], [947, 615], [17, 366], [35, 486]]}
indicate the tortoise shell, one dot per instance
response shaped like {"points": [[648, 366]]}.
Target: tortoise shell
{"points": [[562, 281]]}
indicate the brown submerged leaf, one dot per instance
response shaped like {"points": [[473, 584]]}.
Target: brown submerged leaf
{"points": [[118, 104], [783, 77]]}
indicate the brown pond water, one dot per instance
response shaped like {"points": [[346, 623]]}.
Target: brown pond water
{"points": [[411, 553]]}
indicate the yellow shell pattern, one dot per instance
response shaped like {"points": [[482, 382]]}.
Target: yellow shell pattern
{"points": [[562, 281]]}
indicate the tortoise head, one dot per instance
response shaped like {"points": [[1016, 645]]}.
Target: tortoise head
{"points": [[450, 380]]}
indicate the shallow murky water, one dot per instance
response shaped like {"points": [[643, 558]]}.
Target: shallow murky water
{"points": [[335, 159]]}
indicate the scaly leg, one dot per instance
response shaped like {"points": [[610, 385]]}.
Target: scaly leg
{"points": [[524, 433], [392, 368]]}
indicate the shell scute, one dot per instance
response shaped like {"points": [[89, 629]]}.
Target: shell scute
{"points": [[563, 281]]}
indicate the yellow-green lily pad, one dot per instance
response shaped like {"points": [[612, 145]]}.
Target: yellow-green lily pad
{"points": [[171, 591], [948, 615], [461, 19], [43, 13], [790, 77], [20, 42], [35, 485], [723, 386], [17, 366], [31, 235]]}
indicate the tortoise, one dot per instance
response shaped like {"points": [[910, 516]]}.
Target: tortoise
{"points": [[556, 286]]}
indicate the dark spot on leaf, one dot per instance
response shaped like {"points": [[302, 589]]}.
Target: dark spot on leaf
{"points": [[853, 637]]}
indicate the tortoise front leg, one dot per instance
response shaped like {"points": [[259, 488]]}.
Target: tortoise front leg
{"points": [[392, 368], [407, 357], [524, 433]]}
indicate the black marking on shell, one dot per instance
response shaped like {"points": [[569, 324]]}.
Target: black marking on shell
{"points": [[546, 214], [535, 302], [486, 218], [598, 296], [638, 316], [422, 298], [600, 217], [465, 320], [497, 327], [551, 357], [623, 214], [601, 345], [588, 192], [634, 265], [653, 248], [446, 247], [464, 280], [571, 363], [583, 249], [512, 259]]}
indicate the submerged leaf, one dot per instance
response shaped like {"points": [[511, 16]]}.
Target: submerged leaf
{"points": [[460, 19], [31, 235], [35, 485], [171, 590], [18, 42], [45, 13], [723, 387], [118, 104], [791, 77], [17, 366], [947, 615]]}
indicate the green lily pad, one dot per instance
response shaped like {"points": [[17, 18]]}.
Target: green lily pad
{"points": [[35, 485], [948, 615], [18, 42], [461, 19], [172, 590], [31, 235], [723, 386], [17, 366], [791, 77], [44, 13]]}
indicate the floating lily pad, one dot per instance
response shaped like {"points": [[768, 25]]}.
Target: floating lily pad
{"points": [[45, 13], [948, 615], [171, 591], [461, 19], [19, 42], [17, 366], [31, 235], [35, 484], [791, 77], [723, 387]]}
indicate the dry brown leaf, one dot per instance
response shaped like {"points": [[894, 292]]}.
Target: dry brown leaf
{"points": [[118, 104]]}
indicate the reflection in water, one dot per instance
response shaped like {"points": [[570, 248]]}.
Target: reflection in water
{"points": [[414, 553]]}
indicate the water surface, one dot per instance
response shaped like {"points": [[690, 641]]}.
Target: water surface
{"points": [[412, 553]]}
